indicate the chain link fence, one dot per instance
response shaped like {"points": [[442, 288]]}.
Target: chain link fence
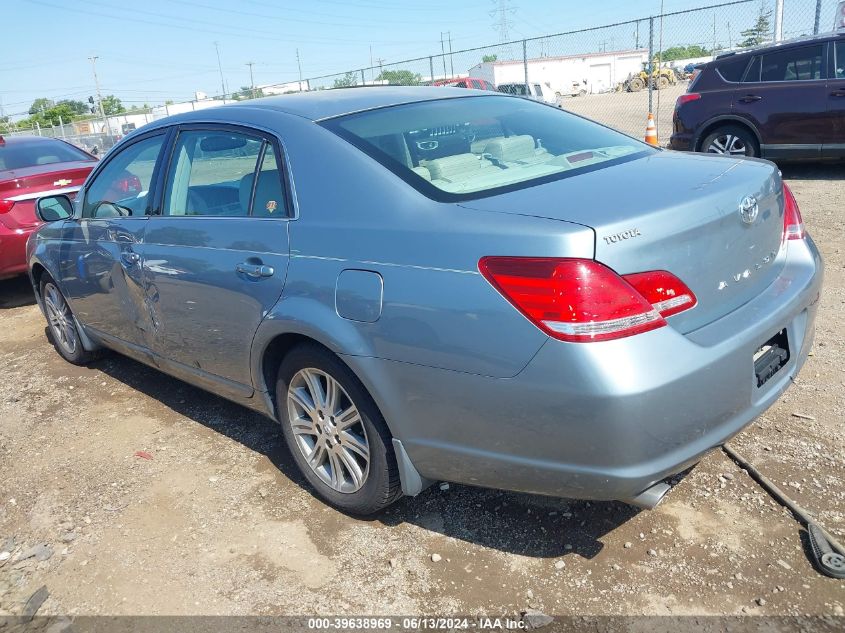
{"points": [[614, 74]]}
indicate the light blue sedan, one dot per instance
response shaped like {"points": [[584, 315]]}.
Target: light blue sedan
{"points": [[427, 284]]}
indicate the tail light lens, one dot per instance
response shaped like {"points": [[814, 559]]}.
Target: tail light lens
{"points": [[6, 205], [687, 97], [581, 300], [793, 223], [666, 293]]}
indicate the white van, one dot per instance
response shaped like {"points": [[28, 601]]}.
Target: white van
{"points": [[532, 90]]}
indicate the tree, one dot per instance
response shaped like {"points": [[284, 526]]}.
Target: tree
{"points": [[347, 81], [489, 58], [683, 52], [40, 104], [112, 105], [759, 33], [248, 93], [79, 108], [400, 78]]}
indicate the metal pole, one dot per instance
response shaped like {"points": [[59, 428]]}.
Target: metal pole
{"points": [[638, 35], [525, 64], [38, 127], [778, 20], [299, 65], [363, 80], [220, 68], [443, 54], [818, 16], [251, 79], [451, 59], [100, 96], [62, 127], [431, 67], [650, 62]]}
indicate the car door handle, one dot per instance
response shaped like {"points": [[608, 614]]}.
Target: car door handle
{"points": [[255, 270], [838, 93], [750, 98], [130, 258]]}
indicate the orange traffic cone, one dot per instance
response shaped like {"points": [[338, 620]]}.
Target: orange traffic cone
{"points": [[651, 131]]}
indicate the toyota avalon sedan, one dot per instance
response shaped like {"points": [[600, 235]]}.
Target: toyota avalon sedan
{"points": [[425, 284]]}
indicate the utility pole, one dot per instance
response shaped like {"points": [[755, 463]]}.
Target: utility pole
{"points": [[443, 54], [778, 20], [220, 68], [451, 59], [251, 78], [299, 65], [99, 95]]}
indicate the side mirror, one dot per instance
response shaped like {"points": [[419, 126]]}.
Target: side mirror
{"points": [[54, 208]]}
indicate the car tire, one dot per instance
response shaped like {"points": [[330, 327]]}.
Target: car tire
{"points": [[348, 459], [61, 324], [731, 140]]}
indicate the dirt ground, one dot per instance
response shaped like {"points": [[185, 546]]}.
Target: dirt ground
{"points": [[219, 522]]}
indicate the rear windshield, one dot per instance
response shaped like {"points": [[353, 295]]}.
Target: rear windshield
{"points": [[21, 154], [453, 149]]}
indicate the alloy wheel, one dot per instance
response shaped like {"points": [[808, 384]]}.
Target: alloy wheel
{"points": [[729, 144], [328, 430], [60, 318]]}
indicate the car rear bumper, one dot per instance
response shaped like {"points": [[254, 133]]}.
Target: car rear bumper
{"points": [[13, 250], [681, 142], [601, 420]]}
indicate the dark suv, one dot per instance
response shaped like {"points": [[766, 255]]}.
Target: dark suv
{"points": [[781, 101]]}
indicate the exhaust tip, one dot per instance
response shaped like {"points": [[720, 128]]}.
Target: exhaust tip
{"points": [[650, 497]]}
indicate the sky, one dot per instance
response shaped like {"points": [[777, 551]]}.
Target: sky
{"points": [[154, 50]]}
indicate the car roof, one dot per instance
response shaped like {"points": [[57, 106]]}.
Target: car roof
{"points": [[797, 41], [324, 104], [29, 139]]}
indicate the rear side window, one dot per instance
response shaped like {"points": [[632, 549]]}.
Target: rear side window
{"points": [[732, 69], [795, 64], [840, 60], [269, 199], [753, 74]]}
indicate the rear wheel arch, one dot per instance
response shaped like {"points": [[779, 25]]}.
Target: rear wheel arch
{"points": [[728, 121]]}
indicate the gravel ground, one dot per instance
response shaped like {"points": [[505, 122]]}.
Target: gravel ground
{"points": [[628, 111], [217, 521]]}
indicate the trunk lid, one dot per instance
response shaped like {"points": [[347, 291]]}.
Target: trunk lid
{"points": [[25, 185], [673, 212]]}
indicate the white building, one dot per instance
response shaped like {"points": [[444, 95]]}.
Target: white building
{"points": [[593, 72]]}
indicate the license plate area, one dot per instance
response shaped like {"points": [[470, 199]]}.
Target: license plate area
{"points": [[771, 357]]}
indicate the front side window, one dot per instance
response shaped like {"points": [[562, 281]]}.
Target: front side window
{"points": [[122, 187], [211, 174], [470, 147], [795, 64]]}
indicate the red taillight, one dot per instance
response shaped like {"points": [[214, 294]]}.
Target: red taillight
{"points": [[687, 97], [6, 205], [793, 224], [575, 300], [666, 293]]}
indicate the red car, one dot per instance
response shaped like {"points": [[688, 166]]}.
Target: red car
{"points": [[31, 167], [465, 82]]}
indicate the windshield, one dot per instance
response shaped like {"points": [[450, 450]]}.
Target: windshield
{"points": [[21, 154], [470, 147]]}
